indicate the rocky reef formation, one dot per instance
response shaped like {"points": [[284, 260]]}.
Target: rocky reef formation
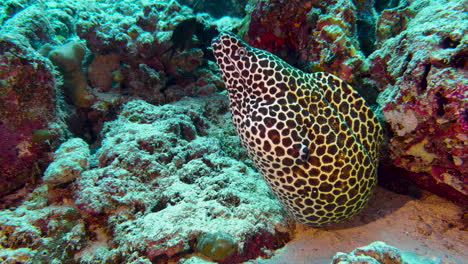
{"points": [[375, 253], [312, 35], [27, 110], [163, 165], [168, 181], [81, 83], [37, 233], [32, 116], [414, 53], [130, 52], [422, 71]]}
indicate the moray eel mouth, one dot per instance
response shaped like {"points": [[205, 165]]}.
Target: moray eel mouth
{"points": [[311, 135]]}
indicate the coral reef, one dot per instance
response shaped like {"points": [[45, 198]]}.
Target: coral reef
{"points": [[36, 233], [157, 166], [136, 40], [163, 165], [71, 158], [116, 73], [331, 36], [375, 253], [124, 59], [37, 24], [216, 246], [423, 70], [27, 89], [170, 183], [313, 35]]}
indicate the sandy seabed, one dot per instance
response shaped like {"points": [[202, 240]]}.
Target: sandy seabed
{"points": [[429, 230]]}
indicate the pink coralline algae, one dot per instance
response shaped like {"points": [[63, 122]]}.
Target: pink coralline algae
{"points": [[27, 89], [423, 70]]}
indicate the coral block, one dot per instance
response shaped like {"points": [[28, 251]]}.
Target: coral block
{"points": [[28, 105], [423, 69]]}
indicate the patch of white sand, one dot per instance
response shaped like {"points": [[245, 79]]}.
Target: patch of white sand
{"points": [[429, 230]]}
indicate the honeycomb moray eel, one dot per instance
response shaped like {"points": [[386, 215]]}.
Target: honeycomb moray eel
{"points": [[311, 135]]}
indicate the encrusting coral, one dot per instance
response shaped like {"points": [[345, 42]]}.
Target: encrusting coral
{"points": [[422, 71], [376, 253], [158, 165], [27, 106], [71, 158]]}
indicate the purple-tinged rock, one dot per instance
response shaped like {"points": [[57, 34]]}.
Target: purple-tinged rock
{"points": [[423, 74], [27, 107]]}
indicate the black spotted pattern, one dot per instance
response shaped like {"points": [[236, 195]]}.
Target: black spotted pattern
{"points": [[312, 136]]}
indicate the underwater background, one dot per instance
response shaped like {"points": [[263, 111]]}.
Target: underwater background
{"points": [[117, 146]]}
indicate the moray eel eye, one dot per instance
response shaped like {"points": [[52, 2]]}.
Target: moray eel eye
{"points": [[241, 52]]}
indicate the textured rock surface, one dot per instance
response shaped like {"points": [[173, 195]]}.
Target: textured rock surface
{"points": [[375, 253], [35, 24], [313, 35], [165, 175], [37, 233], [136, 37], [27, 106], [107, 54], [70, 159], [423, 71]]}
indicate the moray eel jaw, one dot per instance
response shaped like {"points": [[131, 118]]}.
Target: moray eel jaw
{"points": [[312, 137], [233, 50]]}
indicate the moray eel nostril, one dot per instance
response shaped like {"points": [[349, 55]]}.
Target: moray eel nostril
{"points": [[311, 135]]}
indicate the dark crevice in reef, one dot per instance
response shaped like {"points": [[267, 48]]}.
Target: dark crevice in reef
{"points": [[427, 69], [217, 8], [448, 43], [381, 5], [366, 35], [459, 61], [441, 102], [368, 92], [392, 178], [366, 23], [408, 59]]}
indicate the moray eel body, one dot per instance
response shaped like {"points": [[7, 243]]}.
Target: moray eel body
{"points": [[311, 135]]}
